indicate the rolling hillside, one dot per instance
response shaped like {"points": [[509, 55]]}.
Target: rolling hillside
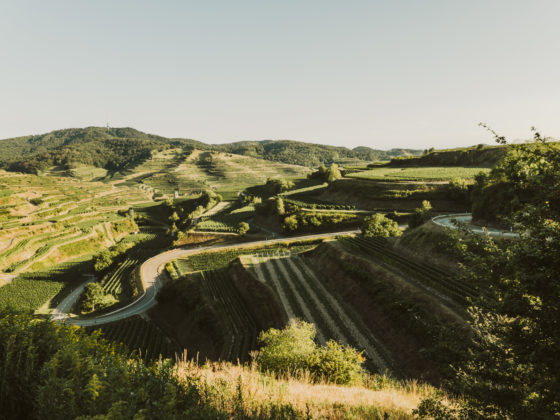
{"points": [[117, 149]]}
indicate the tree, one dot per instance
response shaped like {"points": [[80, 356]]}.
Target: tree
{"points": [[243, 228], [421, 215], [290, 223], [527, 175], [280, 209], [379, 225], [327, 175], [333, 173], [513, 369], [277, 186], [102, 260], [94, 298], [174, 217]]}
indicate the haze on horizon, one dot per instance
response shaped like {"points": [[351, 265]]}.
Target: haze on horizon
{"points": [[361, 73]]}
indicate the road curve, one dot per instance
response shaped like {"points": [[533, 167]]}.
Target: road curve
{"points": [[448, 220], [151, 273]]}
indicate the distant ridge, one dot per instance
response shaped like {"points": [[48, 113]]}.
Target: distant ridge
{"points": [[117, 148]]}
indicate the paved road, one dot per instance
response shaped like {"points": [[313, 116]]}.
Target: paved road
{"points": [[448, 219], [151, 273], [61, 311]]}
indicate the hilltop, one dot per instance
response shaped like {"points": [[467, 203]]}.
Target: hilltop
{"points": [[116, 149]]}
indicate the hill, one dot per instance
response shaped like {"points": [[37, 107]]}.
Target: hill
{"points": [[115, 149], [310, 154], [108, 148], [476, 156]]}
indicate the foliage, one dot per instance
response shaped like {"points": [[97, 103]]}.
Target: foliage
{"points": [[277, 186], [302, 221], [379, 225], [107, 257], [420, 215], [243, 228], [51, 371], [293, 350], [330, 174], [95, 298], [528, 174], [513, 368], [458, 190]]}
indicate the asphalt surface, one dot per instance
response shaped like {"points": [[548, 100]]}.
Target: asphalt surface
{"points": [[448, 221], [151, 272]]}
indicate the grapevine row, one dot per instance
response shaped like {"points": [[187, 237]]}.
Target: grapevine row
{"points": [[379, 248]]}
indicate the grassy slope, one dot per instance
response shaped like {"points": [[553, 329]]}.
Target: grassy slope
{"points": [[225, 173], [379, 398]]}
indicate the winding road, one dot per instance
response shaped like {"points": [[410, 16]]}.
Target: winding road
{"points": [[151, 270], [151, 277], [448, 221]]}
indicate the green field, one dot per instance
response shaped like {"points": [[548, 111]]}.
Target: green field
{"points": [[436, 173]]}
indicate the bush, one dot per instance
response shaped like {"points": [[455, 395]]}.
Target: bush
{"points": [[293, 350], [53, 371], [243, 228], [326, 175], [420, 215], [277, 186], [379, 225]]}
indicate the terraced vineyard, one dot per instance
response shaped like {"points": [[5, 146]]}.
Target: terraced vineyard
{"points": [[46, 219], [303, 295], [238, 323], [415, 174], [188, 172], [118, 280], [226, 220], [32, 290], [139, 335], [317, 204], [430, 275]]}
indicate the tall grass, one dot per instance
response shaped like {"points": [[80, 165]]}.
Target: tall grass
{"points": [[244, 391]]}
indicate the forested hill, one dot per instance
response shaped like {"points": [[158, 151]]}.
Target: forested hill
{"points": [[116, 148], [109, 148], [309, 154]]}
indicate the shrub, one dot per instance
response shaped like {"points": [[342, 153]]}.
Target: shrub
{"points": [[277, 186], [293, 350], [243, 228], [420, 215], [379, 225]]}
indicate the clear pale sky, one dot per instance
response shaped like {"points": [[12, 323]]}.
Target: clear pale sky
{"points": [[374, 73]]}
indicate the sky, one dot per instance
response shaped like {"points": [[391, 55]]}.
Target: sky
{"points": [[383, 74]]}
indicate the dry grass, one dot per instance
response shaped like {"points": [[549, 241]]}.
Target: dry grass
{"points": [[244, 390]]}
